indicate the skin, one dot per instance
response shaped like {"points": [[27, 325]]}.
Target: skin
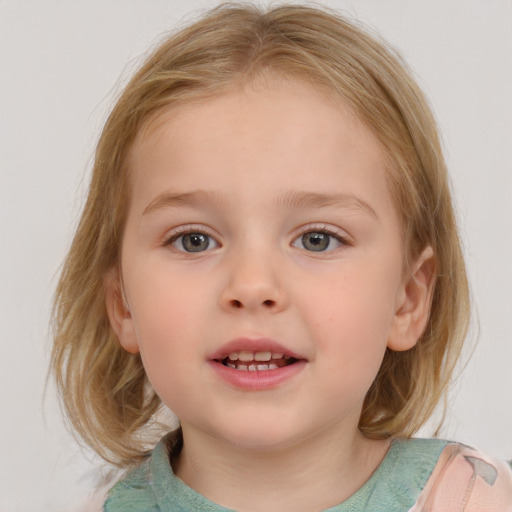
{"points": [[235, 161]]}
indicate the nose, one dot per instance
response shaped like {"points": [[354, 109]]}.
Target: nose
{"points": [[254, 283]]}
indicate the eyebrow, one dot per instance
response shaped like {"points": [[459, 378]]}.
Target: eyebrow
{"points": [[170, 199], [290, 199], [297, 199]]}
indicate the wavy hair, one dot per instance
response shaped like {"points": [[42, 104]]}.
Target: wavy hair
{"points": [[104, 389]]}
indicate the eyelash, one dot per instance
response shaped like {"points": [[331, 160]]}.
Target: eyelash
{"points": [[322, 229], [193, 230], [187, 230]]}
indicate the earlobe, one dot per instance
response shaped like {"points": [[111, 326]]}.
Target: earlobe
{"points": [[118, 311], [413, 304]]}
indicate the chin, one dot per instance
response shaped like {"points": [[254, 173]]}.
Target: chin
{"points": [[260, 436]]}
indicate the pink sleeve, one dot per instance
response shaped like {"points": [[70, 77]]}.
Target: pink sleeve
{"points": [[464, 480]]}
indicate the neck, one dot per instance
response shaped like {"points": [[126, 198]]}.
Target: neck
{"points": [[314, 474]]}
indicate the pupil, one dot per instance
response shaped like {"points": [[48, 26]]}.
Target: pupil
{"points": [[195, 242], [315, 241]]}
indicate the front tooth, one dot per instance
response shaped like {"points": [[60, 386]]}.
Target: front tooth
{"points": [[262, 367], [251, 367], [276, 355], [233, 356], [263, 356], [244, 355]]}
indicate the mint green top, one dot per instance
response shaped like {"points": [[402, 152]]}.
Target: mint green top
{"points": [[394, 486]]}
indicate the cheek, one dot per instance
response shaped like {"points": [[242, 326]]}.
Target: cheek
{"points": [[350, 339], [164, 300], [351, 315], [357, 298], [166, 315]]}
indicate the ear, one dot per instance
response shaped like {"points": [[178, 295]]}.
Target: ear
{"points": [[118, 311], [413, 305]]}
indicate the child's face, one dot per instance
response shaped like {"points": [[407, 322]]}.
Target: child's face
{"points": [[261, 221]]}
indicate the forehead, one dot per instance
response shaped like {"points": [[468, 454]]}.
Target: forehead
{"points": [[240, 93], [258, 133]]}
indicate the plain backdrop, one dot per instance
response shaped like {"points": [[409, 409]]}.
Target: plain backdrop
{"points": [[62, 64]]}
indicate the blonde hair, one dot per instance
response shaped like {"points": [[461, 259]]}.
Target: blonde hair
{"points": [[104, 388]]}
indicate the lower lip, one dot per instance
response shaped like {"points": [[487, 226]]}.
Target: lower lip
{"points": [[257, 380]]}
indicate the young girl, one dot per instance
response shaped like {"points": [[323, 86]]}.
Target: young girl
{"points": [[269, 249]]}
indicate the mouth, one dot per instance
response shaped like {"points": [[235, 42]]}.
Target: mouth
{"points": [[256, 364], [250, 361]]}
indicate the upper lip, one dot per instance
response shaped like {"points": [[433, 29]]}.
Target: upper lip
{"points": [[252, 345]]}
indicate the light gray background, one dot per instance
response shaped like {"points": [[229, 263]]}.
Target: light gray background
{"points": [[60, 62]]}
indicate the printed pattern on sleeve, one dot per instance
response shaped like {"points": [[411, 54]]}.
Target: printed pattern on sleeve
{"points": [[464, 480]]}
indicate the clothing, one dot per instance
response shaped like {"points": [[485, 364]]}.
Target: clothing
{"points": [[416, 475]]}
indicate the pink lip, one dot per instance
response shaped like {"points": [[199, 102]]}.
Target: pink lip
{"points": [[255, 380]]}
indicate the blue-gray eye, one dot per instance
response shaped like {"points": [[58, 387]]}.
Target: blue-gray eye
{"points": [[194, 242], [317, 241]]}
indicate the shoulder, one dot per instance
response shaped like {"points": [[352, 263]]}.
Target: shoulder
{"points": [[465, 479], [401, 476], [133, 493], [143, 487]]}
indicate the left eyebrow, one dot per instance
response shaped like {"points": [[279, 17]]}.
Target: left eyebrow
{"points": [[172, 199], [298, 199]]}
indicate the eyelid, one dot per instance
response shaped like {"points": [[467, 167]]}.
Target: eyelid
{"points": [[339, 234], [323, 227], [179, 231]]}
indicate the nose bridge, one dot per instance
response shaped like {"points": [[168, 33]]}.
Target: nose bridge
{"points": [[254, 280]]}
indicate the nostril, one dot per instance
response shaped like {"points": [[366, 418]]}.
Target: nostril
{"points": [[237, 304]]}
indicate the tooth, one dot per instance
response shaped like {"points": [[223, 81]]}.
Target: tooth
{"points": [[251, 367], [276, 355], [233, 356], [242, 367], [263, 356], [231, 365], [244, 355], [273, 366], [262, 367]]}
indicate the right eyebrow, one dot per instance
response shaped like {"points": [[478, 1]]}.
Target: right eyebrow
{"points": [[174, 199], [299, 199]]}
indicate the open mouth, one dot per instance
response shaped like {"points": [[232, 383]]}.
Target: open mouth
{"points": [[256, 364], [245, 360]]}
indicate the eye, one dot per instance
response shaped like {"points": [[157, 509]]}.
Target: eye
{"points": [[193, 241], [319, 241]]}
